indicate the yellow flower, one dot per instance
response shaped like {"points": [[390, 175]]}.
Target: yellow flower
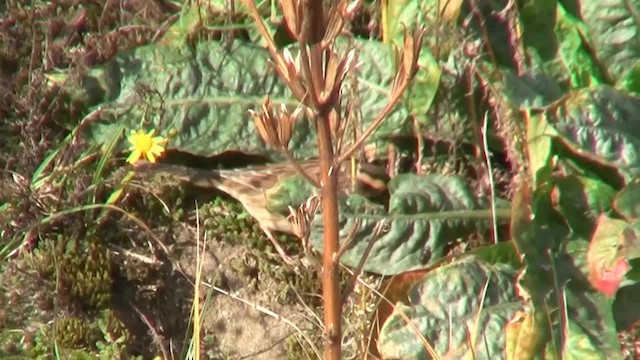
{"points": [[145, 144]]}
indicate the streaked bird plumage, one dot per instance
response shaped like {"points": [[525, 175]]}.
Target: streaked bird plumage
{"points": [[251, 187]]}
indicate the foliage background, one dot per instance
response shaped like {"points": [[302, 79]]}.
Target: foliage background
{"points": [[524, 105]]}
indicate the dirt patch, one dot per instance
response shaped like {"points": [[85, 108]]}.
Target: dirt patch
{"points": [[239, 323]]}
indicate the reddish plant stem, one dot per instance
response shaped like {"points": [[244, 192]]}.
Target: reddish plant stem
{"points": [[330, 268]]}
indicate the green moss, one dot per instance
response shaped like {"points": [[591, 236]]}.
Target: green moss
{"points": [[227, 221], [78, 338], [81, 266], [75, 333], [41, 346], [10, 343], [68, 335], [115, 334], [112, 328]]}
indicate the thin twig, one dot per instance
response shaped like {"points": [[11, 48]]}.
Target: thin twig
{"points": [[352, 234], [158, 338], [395, 97], [296, 164], [377, 231]]}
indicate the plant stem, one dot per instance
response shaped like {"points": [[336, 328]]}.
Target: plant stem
{"points": [[330, 268]]}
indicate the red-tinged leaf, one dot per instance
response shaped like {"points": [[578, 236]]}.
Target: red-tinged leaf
{"points": [[455, 312], [608, 280], [396, 290], [605, 256]]}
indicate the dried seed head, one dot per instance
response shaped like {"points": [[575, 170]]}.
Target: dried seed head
{"points": [[412, 45], [407, 58], [275, 125], [292, 10], [335, 74], [301, 218], [265, 123], [286, 121], [338, 15], [289, 70]]}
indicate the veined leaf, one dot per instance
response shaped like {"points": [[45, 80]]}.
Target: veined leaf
{"points": [[590, 332], [574, 64], [581, 319], [531, 90], [537, 18], [626, 202], [581, 200], [448, 308], [600, 124], [406, 15], [613, 34], [204, 94], [426, 213]]}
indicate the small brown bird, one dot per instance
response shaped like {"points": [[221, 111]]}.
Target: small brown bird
{"points": [[253, 187]]}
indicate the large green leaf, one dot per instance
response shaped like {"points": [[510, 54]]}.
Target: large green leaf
{"points": [[531, 90], [555, 48], [426, 213], [581, 199], [526, 335], [409, 14], [205, 92], [600, 124], [626, 201], [449, 307], [555, 282], [405, 16], [539, 149], [573, 65], [613, 33], [590, 332], [582, 317], [538, 19]]}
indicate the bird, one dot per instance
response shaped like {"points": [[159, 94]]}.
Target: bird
{"points": [[255, 186]]}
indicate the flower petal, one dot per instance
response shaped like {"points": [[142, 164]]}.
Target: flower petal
{"points": [[150, 157], [156, 149], [134, 156]]}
